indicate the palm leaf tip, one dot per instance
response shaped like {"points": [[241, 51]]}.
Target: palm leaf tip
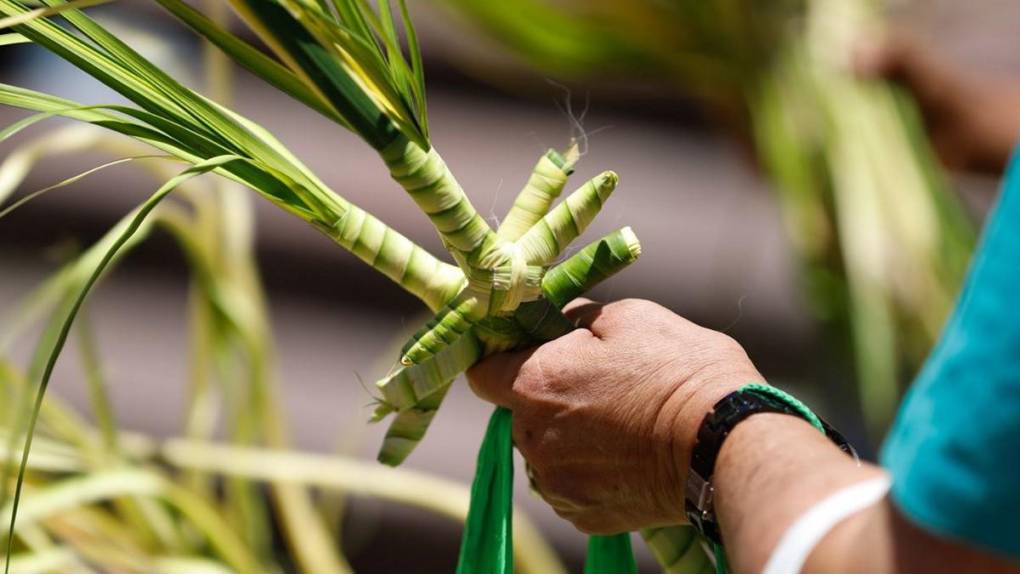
{"points": [[352, 59]]}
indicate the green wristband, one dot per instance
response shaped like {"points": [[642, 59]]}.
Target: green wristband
{"points": [[787, 398]]}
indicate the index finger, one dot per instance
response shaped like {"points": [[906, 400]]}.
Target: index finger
{"points": [[492, 378]]}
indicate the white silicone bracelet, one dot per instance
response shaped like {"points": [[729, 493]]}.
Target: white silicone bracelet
{"points": [[804, 534]]}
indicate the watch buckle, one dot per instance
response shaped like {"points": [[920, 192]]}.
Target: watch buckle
{"points": [[699, 492]]}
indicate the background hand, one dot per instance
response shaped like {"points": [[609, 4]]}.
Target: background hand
{"points": [[973, 122]]}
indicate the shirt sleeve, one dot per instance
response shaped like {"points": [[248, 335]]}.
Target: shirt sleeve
{"points": [[953, 451]]}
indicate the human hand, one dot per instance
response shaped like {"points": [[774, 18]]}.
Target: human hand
{"points": [[973, 122], [607, 415]]}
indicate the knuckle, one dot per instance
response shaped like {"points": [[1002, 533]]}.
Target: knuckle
{"points": [[632, 306], [524, 436], [632, 312], [554, 487], [530, 379], [623, 310], [530, 371], [568, 345], [545, 449], [549, 372], [564, 488]]}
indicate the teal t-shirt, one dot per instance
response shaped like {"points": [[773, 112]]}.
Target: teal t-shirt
{"points": [[954, 450]]}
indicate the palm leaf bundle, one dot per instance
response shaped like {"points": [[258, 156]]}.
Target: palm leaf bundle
{"points": [[882, 240], [342, 59]]}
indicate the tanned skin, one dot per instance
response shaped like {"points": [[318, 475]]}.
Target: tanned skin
{"points": [[607, 416]]}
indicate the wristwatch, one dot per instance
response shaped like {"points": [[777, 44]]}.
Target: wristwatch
{"points": [[717, 425]]}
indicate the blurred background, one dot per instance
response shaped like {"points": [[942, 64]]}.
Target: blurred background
{"points": [[715, 248]]}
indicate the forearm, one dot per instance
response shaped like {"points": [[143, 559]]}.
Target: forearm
{"points": [[773, 468]]}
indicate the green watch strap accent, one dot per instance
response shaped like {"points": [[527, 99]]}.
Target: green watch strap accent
{"points": [[721, 566], [787, 398]]}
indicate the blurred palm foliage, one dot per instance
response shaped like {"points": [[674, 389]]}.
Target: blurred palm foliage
{"points": [[94, 497], [882, 239]]}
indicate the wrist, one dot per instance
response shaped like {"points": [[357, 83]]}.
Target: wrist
{"points": [[683, 413]]}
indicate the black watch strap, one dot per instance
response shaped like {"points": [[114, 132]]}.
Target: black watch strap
{"points": [[716, 426]]}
